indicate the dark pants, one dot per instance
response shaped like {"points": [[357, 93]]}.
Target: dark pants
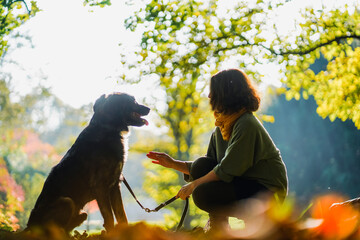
{"points": [[214, 197]]}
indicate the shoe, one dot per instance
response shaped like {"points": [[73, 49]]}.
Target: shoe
{"points": [[207, 226], [216, 223]]}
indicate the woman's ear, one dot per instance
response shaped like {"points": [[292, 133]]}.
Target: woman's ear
{"points": [[99, 103]]}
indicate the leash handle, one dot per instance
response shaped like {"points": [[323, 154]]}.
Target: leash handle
{"points": [[164, 204]]}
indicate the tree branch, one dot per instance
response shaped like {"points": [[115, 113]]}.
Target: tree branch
{"points": [[311, 49], [290, 52], [23, 1]]}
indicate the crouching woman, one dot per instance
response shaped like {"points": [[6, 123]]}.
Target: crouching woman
{"points": [[242, 160]]}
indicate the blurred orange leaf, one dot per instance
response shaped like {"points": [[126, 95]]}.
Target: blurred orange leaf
{"points": [[338, 221]]}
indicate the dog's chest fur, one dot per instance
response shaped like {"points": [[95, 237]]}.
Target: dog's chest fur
{"points": [[95, 161], [108, 150]]}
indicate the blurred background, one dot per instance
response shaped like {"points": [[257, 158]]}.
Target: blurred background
{"points": [[58, 57]]}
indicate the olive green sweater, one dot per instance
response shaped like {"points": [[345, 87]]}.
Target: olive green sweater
{"points": [[249, 153]]}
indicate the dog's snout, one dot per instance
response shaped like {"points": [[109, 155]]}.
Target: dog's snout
{"points": [[144, 110]]}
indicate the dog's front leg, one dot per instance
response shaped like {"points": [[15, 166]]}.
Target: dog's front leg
{"points": [[103, 200], [117, 204]]}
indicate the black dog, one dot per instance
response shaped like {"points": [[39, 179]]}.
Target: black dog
{"points": [[91, 169]]}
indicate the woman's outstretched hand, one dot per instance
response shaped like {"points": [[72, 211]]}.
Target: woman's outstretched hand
{"points": [[162, 159]]}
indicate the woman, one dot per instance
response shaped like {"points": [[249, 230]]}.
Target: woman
{"points": [[241, 161]]}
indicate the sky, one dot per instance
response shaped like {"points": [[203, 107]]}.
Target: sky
{"points": [[77, 51]]}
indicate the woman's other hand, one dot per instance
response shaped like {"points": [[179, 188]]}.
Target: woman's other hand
{"points": [[186, 190], [162, 159]]}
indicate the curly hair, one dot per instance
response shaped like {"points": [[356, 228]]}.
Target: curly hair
{"points": [[231, 90]]}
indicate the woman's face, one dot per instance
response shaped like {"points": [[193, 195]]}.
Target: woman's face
{"points": [[209, 95]]}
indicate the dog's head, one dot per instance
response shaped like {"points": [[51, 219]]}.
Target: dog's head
{"points": [[120, 110]]}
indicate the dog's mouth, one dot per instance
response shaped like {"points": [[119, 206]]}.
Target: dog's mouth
{"points": [[137, 117]]}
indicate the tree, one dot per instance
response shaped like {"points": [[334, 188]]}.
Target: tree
{"points": [[335, 36], [180, 49], [11, 199], [15, 188], [29, 166], [11, 18], [97, 3], [203, 35]]}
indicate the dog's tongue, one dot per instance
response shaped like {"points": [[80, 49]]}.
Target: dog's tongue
{"points": [[146, 122]]}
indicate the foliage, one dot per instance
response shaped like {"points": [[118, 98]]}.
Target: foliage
{"points": [[181, 47], [12, 116], [13, 15], [100, 3], [201, 35], [11, 199], [65, 125], [30, 166], [9, 110], [335, 36], [191, 39], [321, 156], [30, 162], [28, 158]]}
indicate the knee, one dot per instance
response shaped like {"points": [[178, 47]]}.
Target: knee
{"points": [[76, 221], [202, 166], [63, 211], [201, 198]]}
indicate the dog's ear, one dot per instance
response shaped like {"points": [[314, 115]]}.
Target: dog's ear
{"points": [[99, 103]]}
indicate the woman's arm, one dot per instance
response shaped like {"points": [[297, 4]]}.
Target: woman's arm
{"points": [[166, 161], [188, 189]]}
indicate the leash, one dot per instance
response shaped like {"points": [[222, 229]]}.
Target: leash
{"points": [[161, 205]]}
